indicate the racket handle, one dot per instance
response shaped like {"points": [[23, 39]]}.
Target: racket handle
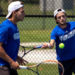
{"points": [[38, 46], [43, 45], [23, 67]]}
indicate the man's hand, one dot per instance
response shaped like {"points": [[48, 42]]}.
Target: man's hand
{"points": [[49, 45], [14, 65], [21, 61], [45, 45]]}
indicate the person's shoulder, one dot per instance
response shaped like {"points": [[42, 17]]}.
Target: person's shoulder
{"points": [[56, 27], [5, 23], [71, 22]]}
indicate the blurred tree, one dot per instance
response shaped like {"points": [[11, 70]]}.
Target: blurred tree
{"points": [[9, 1], [0, 9], [31, 1]]}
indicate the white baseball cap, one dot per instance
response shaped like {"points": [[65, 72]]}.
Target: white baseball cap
{"points": [[57, 11], [13, 6]]}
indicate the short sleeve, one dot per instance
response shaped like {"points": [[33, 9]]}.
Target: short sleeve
{"points": [[3, 34], [53, 34]]}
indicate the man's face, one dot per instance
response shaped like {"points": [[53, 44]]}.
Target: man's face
{"points": [[61, 18], [20, 14]]}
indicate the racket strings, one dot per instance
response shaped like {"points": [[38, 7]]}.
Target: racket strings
{"points": [[25, 50], [48, 67]]}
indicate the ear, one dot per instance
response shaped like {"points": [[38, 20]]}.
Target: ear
{"points": [[14, 13], [66, 17], [57, 21]]}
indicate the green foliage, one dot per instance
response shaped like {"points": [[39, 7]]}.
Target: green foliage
{"points": [[31, 1], [31, 8]]}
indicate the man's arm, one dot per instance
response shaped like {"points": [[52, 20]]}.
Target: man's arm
{"points": [[5, 57], [21, 61], [50, 44]]}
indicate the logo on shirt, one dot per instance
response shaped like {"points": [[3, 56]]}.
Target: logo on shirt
{"points": [[67, 36], [16, 36]]}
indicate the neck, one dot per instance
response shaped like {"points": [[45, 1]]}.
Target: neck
{"points": [[13, 20], [63, 26]]}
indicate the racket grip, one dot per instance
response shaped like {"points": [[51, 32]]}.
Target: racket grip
{"points": [[23, 67], [39, 46]]}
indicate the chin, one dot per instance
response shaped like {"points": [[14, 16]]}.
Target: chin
{"points": [[21, 19], [63, 23]]}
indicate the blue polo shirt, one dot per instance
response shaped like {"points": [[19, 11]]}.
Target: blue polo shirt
{"points": [[9, 36], [66, 36]]}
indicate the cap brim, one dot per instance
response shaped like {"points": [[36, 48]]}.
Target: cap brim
{"points": [[8, 14]]}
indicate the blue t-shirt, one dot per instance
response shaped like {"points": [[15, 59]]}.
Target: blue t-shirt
{"points": [[66, 36], [9, 36]]}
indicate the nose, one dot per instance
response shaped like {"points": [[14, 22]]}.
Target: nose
{"points": [[62, 17]]}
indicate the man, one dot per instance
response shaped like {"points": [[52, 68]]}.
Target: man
{"points": [[64, 32], [10, 39]]}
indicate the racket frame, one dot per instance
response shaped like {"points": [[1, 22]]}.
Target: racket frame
{"points": [[26, 51], [46, 61]]}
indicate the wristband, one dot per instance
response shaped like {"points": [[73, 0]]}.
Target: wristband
{"points": [[49, 45]]}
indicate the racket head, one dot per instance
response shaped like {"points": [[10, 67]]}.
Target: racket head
{"points": [[24, 50], [46, 67]]}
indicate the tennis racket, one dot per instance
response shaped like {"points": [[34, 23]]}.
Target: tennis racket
{"points": [[24, 51], [47, 67]]}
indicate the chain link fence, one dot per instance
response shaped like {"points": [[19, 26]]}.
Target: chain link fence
{"points": [[39, 21]]}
